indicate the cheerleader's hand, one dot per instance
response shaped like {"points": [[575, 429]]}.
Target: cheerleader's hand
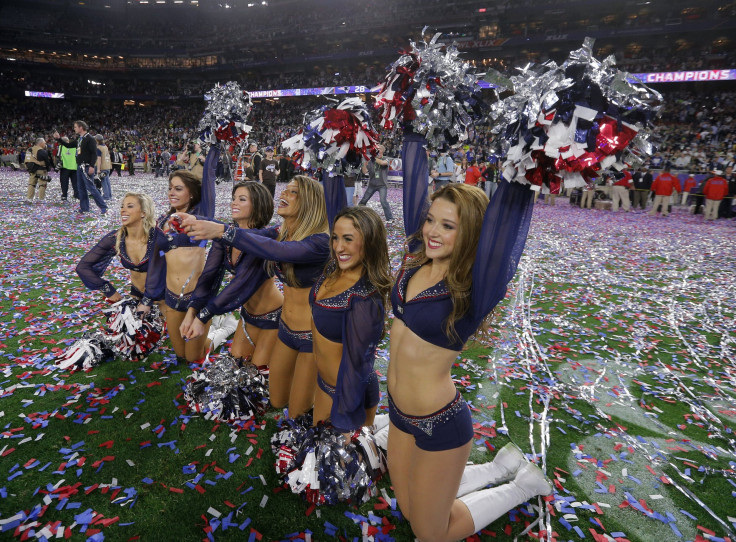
{"points": [[200, 230], [196, 329], [114, 298], [142, 309], [186, 324]]}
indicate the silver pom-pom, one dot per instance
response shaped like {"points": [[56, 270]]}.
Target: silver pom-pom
{"points": [[225, 116], [572, 121], [86, 353], [130, 335], [227, 392], [334, 134], [326, 467], [430, 91]]}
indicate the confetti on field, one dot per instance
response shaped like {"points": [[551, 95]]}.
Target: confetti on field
{"points": [[611, 363]]}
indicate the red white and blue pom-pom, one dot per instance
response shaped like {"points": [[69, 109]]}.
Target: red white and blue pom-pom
{"points": [[86, 353], [334, 134], [569, 123], [226, 391], [130, 335], [225, 116], [326, 467], [430, 91]]}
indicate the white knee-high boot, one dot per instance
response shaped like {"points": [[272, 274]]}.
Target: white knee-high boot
{"points": [[488, 505], [508, 461]]}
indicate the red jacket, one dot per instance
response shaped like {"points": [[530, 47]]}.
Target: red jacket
{"points": [[626, 181], [665, 184], [690, 183], [716, 188], [472, 174]]}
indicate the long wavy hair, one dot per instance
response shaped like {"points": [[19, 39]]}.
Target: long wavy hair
{"points": [[376, 264], [192, 183], [471, 204], [149, 219], [261, 203], [311, 218]]}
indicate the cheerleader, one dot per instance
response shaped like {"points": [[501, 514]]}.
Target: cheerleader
{"points": [[460, 258], [251, 288], [348, 315], [184, 260], [296, 252], [133, 242]]}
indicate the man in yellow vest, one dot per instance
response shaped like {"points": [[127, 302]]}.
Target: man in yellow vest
{"points": [[104, 165], [38, 164], [67, 158]]}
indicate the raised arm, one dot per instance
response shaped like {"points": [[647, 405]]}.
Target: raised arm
{"points": [[313, 249], [207, 203], [502, 239], [249, 276], [93, 264], [415, 185], [361, 332], [336, 198]]}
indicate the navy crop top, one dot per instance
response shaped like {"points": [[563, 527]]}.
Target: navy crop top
{"points": [[503, 235], [249, 275], [354, 318], [93, 264]]}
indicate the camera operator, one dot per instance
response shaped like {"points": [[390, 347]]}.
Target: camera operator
{"points": [[38, 163], [192, 160]]}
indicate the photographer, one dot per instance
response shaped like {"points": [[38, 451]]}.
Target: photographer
{"points": [[38, 163], [192, 160]]}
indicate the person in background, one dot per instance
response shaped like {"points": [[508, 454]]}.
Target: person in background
{"points": [[620, 190], [131, 162], [38, 162], [642, 185], [67, 171], [715, 190], [586, 201], [472, 174], [86, 159], [663, 187], [269, 171], [166, 162], [103, 166], [377, 170], [117, 161], [445, 170], [687, 186], [725, 208]]}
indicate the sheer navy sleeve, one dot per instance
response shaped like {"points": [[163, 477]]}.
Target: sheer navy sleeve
{"points": [[206, 205], [209, 281], [249, 276], [502, 239], [415, 185], [336, 198], [93, 264], [361, 332], [313, 249], [156, 275]]}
